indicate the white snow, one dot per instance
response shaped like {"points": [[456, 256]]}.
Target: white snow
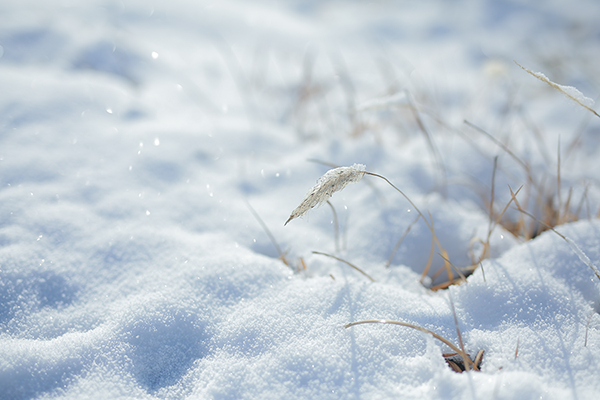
{"points": [[133, 135], [569, 91]]}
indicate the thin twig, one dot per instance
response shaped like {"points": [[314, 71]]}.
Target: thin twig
{"points": [[346, 262], [493, 139], [462, 276], [562, 89], [429, 225], [434, 150], [482, 271], [582, 256], [559, 185], [478, 359], [336, 227], [493, 194], [268, 232], [587, 327], [419, 328], [399, 242], [467, 360]]}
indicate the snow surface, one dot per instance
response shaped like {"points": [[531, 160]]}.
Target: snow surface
{"points": [[137, 136]]}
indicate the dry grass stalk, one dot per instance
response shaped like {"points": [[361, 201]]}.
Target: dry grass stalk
{"points": [[454, 366], [558, 185], [333, 181], [569, 91], [272, 238], [446, 285], [552, 210], [466, 360], [399, 242], [337, 179], [465, 357], [429, 225], [458, 366], [478, 360], [501, 145], [460, 274], [492, 223], [429, 138], [587, 327], [447, 264], [336, 227], [347, 263], [580, 254]]}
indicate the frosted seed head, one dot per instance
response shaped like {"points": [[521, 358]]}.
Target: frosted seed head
{"points": [[332, 181]]}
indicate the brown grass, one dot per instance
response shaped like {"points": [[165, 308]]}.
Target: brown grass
{"points": [[345, 262]]}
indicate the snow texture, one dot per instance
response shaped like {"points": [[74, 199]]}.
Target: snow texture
{"points": [[134, 134]]}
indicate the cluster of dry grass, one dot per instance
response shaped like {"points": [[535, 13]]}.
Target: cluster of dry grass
{"points": [[545, 201], [540, 202]]}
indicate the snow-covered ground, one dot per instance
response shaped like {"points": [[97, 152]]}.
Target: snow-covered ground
{"points": [[143, 144]]}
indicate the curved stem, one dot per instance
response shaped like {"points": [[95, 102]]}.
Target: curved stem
{"points": [[419, 328], [429, 225], [346, 262], [336, 227]]}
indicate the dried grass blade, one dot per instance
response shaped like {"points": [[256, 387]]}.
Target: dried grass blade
{"points": [[478, 359], [462, 276], [346, 262], [429, 224], [336, 227], [500, 144], [454, 366], [466, 360], [582, 256], [444, 285], [399, 242], [566, 90], [429, 260], [587, 327], [493, 194], [419, 328], [268, 232], [558, 189]]}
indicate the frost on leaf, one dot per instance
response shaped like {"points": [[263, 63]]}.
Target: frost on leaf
{"points": [[333, 181]]}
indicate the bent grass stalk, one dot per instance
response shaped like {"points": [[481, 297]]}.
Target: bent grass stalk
{"points": [[346, 262], [429, 225], [336, 227], [587, 327], [271, 237], [552, 215], [399, 242], [582, 256], [442, 339], [337, 179], [569, 91], [466, 360]]}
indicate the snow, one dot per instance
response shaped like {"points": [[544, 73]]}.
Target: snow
{"points": [[134, 135], [569, 91]]}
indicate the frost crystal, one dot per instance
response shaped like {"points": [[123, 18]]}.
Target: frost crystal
{"points": [[333, 181]]}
